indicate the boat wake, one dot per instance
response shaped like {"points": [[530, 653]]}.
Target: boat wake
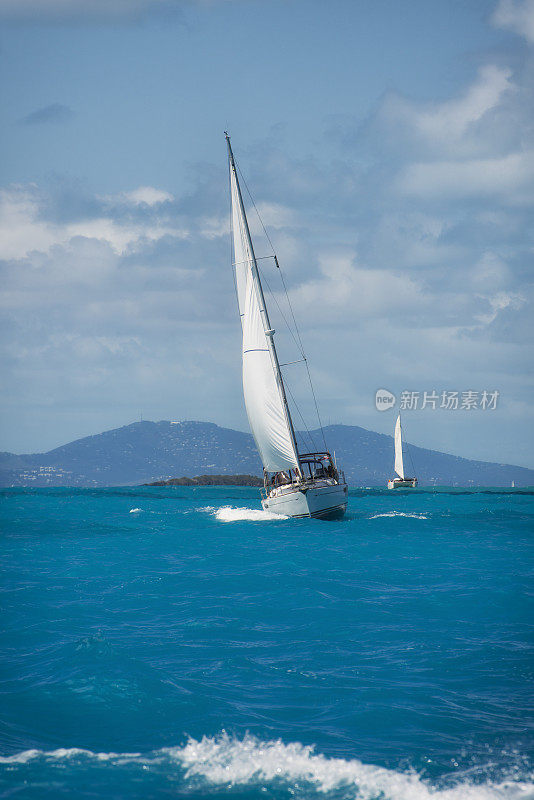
{"points": [[231, 514], [225, 761], [399, 514]]}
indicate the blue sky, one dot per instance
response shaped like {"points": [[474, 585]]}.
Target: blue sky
{"points": [[388, 147]]}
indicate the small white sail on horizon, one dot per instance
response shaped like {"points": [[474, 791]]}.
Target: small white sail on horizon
{"points": [[266, 409], [399, 465], [402, 482]]}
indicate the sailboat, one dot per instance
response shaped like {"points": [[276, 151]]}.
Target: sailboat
{"points": [[402, 482], [295, 484]]}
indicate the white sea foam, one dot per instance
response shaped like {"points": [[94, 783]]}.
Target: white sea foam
{"points": [[64, 752], [231, 514], [227, 761], [135, 510], [399, 514]]}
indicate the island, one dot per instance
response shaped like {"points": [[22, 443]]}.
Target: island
{"points": [[211, 480]]}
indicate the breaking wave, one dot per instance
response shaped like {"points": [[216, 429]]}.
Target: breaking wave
{"points": [[226, 761]]}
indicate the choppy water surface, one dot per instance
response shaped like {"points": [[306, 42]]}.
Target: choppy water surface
{"points": [[172, 642]]}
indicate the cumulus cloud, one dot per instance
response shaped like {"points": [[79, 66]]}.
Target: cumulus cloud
{"points": [[24, 226], [143, 195], [474, 146], [487, 117], [344, 286], [516, 16], [106, 306], [509, 178], [454, 125], [126, 300], [490, 273], [55, 112]]}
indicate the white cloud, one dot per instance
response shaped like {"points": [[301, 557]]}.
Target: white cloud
{"points": [[508, 179], [438, 123], [275, 215], [344, 287], [214, 227], [411, 239], [500, 302], [21, 229], [490, 273], [24, 228], [453, 118], [490, 279], [121, 237], [143, 195], [516, 16]]}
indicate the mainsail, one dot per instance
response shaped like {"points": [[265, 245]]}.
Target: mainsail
{"points": [[265, 401], [399, 466]]}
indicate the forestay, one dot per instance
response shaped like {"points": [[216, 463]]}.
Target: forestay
{"points": [[267, 414], [399, 466]]}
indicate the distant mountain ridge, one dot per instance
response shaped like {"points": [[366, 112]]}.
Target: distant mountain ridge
{"points": [[149, 451]]}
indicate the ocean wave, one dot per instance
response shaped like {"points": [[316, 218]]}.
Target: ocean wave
{"points": [[61, 753], [232, 514], [226, 761], [135, 510], [399, 514]]}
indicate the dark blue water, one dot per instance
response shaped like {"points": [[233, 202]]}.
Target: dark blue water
{"points": [[182, 643]]}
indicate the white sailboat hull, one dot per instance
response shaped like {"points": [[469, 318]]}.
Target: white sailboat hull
{"points": [[320, 500], [403, 483]]}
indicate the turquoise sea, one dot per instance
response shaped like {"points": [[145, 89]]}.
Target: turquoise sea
{"points": [[180, 642]]}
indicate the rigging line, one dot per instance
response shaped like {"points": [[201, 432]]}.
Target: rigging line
{"points": [[304, 359], [255, 208], [288, 363], [276, 262], [316, 406], [249, 260], [302, 351], [272, 294], [303, 354], [290, 307], [310, 437], [411, 459], [289, 303]]}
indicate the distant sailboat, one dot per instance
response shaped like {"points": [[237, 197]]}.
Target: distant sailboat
{"points": [[402, 482], [295, 484]]}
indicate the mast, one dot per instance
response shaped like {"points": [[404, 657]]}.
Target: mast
{"points": [[269, 332]]}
